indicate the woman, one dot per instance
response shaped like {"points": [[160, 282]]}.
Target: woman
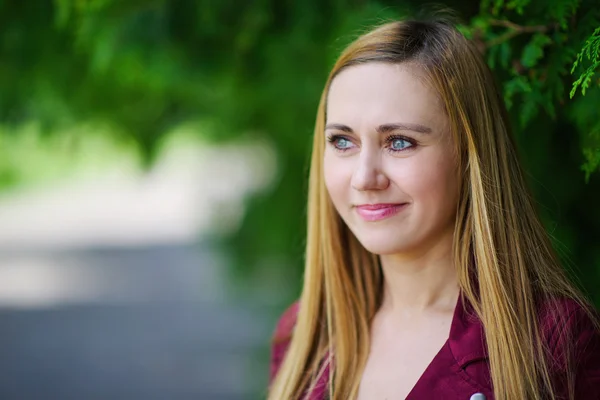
{"points": [[428, 273]]}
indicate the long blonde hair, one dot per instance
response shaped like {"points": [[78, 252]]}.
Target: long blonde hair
{"points": [[505, 262]]}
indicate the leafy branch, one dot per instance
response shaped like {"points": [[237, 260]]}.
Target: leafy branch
{"points": [[514, 30], [591, 51]]}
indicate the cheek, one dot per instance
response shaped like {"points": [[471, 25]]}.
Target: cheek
{"points": [[334, 174], [433, 182]]}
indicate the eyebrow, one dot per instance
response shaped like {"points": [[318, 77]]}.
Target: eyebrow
{"points": [[385, 128]]}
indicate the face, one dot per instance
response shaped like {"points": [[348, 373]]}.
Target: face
{"points": [[389, 163]]}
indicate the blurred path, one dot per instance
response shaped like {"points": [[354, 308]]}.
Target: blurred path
{"points": [[106, 306], [149, 323]]}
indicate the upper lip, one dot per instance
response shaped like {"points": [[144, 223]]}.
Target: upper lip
{"points": [[378, 206]]}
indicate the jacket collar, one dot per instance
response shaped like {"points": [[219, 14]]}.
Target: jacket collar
{"points": [[467, 338]]}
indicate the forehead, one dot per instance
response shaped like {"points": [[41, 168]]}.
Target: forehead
{"points": [[376, 93]]}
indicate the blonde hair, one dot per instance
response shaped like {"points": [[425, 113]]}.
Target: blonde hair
{"points": [[505, 262]]}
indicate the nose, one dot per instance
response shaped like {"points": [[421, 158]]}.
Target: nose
{"points": [[369, 174]]}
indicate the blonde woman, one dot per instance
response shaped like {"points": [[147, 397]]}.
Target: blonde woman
{"points": [[428, 273]]}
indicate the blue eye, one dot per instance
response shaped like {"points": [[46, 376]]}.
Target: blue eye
{"points": [[340, 143], [400, 144], [343, 143]]}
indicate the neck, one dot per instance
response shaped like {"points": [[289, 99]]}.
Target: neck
{"points": [[420, 282]]}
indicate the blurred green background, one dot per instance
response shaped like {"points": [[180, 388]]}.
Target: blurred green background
{"points": [[153, 165]]}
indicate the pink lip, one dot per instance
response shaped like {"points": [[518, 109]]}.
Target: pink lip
{"points": [[376, 212]]}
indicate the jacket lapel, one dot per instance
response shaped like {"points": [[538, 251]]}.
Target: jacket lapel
{"points": [[461, 367]]}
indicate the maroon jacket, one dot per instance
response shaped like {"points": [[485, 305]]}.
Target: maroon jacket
{"points": [[461, 367]]}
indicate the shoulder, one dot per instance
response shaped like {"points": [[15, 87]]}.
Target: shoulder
{"points": [[567, 320], [282, 338], [571, 336]]}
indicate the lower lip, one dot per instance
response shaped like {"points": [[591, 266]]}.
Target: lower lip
{"points": [[380, 213]]}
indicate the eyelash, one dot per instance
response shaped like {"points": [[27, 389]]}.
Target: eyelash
{"points": [[388, 140]]}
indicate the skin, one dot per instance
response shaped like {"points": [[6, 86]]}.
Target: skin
{"points": [[364, 164]]}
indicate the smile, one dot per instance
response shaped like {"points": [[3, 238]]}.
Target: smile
{"points": [[377, 212]]}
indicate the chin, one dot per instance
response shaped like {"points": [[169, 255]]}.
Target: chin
{"points": [[383, 250], [383, 244]]}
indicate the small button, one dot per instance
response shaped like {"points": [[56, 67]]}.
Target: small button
{"points": [[478, 396]]}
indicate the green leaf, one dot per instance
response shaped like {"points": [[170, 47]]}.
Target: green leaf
{"points": [[63, 12], [528, 111], [498, 5], [518, 84], [534, 50], [518, 5], [592, 162], [491, 56], [466, 30], [505, 54], [591, 51]]}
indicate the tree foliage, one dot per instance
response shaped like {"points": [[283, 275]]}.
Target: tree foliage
{"points": [[257, 68], [535, 47]]}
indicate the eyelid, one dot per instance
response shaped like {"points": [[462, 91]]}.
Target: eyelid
{"points": [[395, 136], [334, 136]]}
